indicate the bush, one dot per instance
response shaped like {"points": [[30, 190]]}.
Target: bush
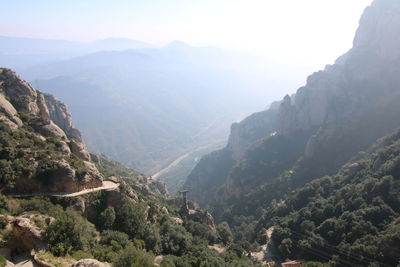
{"points": [[107, 218], [174, 238], [121, 238], [225, 233], [7, 174], [79, 255], [3, 203], [42, 206], [3, 261], [131, 219], [152, 239], [202, 231], [132, 257], [68, 233], [104, 253]]}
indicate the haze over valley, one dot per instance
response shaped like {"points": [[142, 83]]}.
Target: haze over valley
{"points": [[148, 107], [206, 134]]}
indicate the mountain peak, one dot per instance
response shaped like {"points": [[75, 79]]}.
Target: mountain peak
{"points": [[379, 28], [177, 45]]}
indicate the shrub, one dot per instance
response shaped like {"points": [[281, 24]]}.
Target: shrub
{"points": [[3, 261], [152, 239], [42, 206], [121, 238], [3, 203], [68, 233], [174, 238], [107, 218], [225, 233], [79, 255], [132, 257], [131, 219]]}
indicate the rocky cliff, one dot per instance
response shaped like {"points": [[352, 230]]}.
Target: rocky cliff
{"points": [[37, 137], [339, 112]]}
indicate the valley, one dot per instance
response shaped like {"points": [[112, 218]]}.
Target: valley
{"points": [[119, 153]]}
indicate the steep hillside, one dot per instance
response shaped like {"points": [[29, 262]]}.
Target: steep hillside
{"points": [[211, 172], [134, 222], [352, 217], [40, 150], [339, 112]]}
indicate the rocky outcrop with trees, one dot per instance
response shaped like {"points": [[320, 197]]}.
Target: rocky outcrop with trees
{"points": [[41, 151]]}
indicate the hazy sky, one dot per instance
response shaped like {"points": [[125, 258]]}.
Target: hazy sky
{"points": [[313, 31]]}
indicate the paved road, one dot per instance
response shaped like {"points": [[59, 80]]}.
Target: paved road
{"points": [[107, 185]]}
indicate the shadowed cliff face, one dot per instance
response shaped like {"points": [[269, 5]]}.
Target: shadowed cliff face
{"points": [[378, 29], [39, 147], [340, 111]]}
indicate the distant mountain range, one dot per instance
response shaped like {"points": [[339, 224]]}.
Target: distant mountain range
{"points": [[149, 107], [20, 53]]}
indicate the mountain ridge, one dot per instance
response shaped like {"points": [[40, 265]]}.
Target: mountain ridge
{"points": [[28, 114], [329, 119]]}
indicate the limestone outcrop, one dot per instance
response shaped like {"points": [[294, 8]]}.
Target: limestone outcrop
{"points": [[25, 231], [90, 263], [23, 107], [340, 111]]}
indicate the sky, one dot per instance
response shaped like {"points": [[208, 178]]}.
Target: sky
{"points": [[313, 32]]}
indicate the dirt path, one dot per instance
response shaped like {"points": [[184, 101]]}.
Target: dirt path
{"points": [[107, 185], [265, 254]]}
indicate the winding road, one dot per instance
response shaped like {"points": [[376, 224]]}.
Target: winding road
{"points": [[107, 185]]}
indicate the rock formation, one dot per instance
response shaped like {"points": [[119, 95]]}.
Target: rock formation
{"points": [[25, 231], [339, 112], [22, 108], [90, 263]]}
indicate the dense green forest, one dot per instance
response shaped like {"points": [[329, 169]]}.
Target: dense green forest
{"points": [[351, 218]]}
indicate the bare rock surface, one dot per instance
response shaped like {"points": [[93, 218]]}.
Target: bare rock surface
{"points": [[22, 105], [90, 263]]}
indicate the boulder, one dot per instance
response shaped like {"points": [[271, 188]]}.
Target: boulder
{"points": [[43, 110], [58, 113], [64, 148], [50, 130], [9, 111], [20, 93], [90, 263], [79, 149]]}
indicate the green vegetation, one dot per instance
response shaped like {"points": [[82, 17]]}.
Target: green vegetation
{"points": [[107, 218], [225, 233], [3, 261], [110, 167], [352, 217], [133, 257], [26, 157], [133, 237], [68, 234]]}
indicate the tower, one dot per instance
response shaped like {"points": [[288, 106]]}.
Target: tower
{"points": [[185, 206]]}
